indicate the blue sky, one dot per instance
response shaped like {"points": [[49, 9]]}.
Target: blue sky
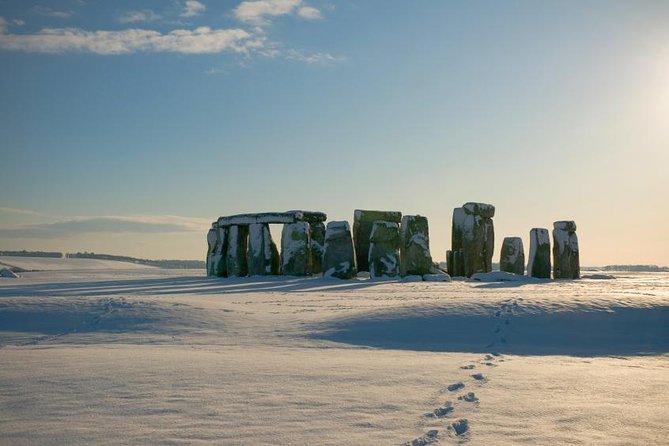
{"points": [[127, 126]]}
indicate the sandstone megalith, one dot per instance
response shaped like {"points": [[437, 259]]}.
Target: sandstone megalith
{"points": [[384, 244], [296, 249], [339, 253], [539, 261], [415, 258], [512, 258], [362, 230], [565, 251]]}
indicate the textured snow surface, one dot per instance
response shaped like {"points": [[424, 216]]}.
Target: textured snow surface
{"points": [[172, 357], [52, 264]]}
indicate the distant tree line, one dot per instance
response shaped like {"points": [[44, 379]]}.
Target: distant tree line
{"points": [[170, 264], [639, 268], [24, 253]]}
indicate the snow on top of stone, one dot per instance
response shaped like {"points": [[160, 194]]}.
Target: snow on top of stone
{"points": [[541, 235], [565, 225], [482, 209]]}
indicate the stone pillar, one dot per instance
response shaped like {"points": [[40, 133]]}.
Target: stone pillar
{"points": [[238, 237], [478, 238], [539, 262], [415, 258], [512, 258], [317, 246], [263, 255], [384, 255], [362, 229], [212, 245], [217, 239], [296, 249], [339, 253], [456, 260], [565, 251]]}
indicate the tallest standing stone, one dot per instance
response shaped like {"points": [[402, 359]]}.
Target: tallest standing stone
{"points": [[478, 238], [565, 251]]}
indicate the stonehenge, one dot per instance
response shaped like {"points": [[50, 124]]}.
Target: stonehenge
{"points": [[565, 251], [539, 262], [512, 257], [338, 251], [383, 244], [472, 239]]}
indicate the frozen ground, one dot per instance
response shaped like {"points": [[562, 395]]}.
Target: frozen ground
{"points": [[151, 356]]}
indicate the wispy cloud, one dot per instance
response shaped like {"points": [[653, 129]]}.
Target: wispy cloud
{"points": [[309, 13], [144, 15], [10, 210], [193, 8], [312, 58], [197, 41], [48, 12], [106, 224], [259, 12]]}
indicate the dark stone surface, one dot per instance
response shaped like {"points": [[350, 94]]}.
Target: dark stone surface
{"points": [[539, 261], [478, 238], [415, 258], [263, 255], [317, 246], [362, 229], [384, 255], [238, 237], [339, 253], [566, 264], [512, 257], [296, 249]]}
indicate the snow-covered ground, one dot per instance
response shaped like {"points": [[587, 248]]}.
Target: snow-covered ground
{"points": [[152, 356]]}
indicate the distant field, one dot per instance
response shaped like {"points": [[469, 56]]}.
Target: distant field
{"points": [[54, 264]]}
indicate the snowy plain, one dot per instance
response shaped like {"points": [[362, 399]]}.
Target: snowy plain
{"points": [[138, 355]]}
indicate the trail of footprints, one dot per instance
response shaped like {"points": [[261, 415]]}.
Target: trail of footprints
{"points": [[458, 428]]}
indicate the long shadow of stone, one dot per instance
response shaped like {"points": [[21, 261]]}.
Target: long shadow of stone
{"points": [[614, 331], [186, 285]]}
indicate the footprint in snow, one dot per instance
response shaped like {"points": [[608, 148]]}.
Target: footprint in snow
{"points": [[456, 386], [468, 367], [478, 377], [469, 397], [441, 412], [429, 438], [459, 427]]}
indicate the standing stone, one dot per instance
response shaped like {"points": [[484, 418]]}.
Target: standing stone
{"points": [[217, 239], [415, 258], [565, 251], [512, 258], [478, 238], [317, 246], [213, 243], [362, 230], [539, 263], [296, 249], [456, 265], [263, 255], [384, 255], [238, 237], [339, 253]]}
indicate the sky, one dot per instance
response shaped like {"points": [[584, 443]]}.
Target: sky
{"points": [[126, 127]]}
